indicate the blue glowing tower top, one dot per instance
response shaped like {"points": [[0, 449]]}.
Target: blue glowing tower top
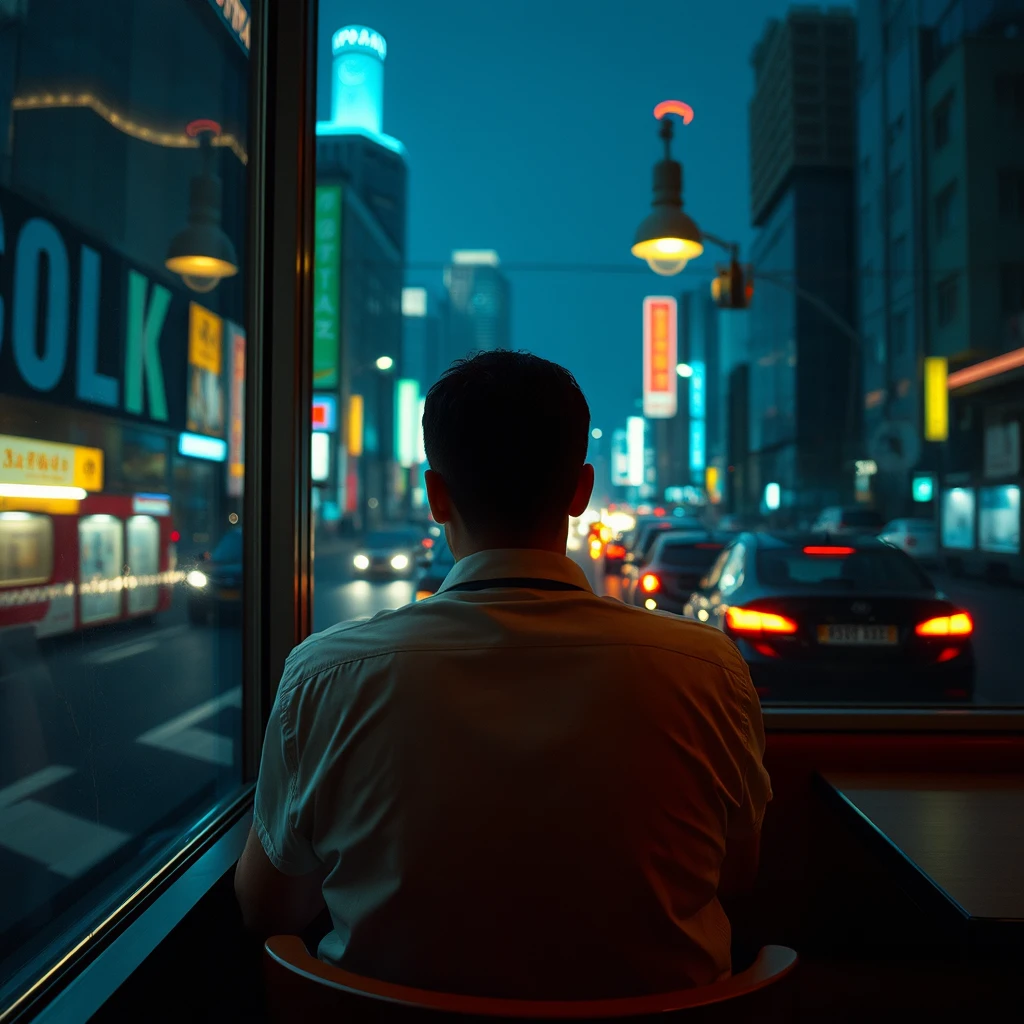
{"points": [[357, 86]]}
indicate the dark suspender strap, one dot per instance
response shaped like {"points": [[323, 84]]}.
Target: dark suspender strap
{"points": [[514, 582]]}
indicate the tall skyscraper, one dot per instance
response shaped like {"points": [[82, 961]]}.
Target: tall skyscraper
{"points": [[803, 416], [423, 341], [479, 298], [360, 252]]}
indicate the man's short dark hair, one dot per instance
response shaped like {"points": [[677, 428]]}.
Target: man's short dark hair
{"points": [[507, 431]]}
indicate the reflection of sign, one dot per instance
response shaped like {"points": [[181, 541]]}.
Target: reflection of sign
{"points": [[236, 422], [237, 20], [326, 285], [358, 37], [660, 319], [958, 519], [153, 505], [325, 412], [697, 450], [999, 522], [697, 391], [1002, 449], [23, 460], [711, 485], [84, 328], [205, 345]]}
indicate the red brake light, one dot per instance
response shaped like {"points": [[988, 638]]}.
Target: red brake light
{"points": [[828, 551], [615, 551], [659, 511], [428, 542], [175, 536], [958, 624], [649, 583], [748, 620]]}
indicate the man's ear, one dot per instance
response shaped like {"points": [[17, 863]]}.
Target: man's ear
{"points": [[438, 499], [584, 489]]}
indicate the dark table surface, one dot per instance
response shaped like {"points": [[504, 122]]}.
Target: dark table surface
{"points": [[962, 834]]}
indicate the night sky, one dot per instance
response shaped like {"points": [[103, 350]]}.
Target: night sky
{"points": [[529, 130]]}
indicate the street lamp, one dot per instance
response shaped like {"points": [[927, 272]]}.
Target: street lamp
{"points": [[668, 238], [684, 370], [385, 363]]}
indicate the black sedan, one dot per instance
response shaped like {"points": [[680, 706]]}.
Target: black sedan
{"points": [[389, 554], [847, 620], [678, 560], [215, 585]]}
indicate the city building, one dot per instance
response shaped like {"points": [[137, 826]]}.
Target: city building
{"points": [[973, 206], [358, 323], [803, 419], [479, 303], [424, 318]]}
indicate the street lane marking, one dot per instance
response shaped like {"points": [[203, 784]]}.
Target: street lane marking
{"points": [[65, 843], [129, 648], [180, 735], [30, 784]]}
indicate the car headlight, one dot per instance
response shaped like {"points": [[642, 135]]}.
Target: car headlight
{"points": [[361, 562], [196, 579], [399, 562]]}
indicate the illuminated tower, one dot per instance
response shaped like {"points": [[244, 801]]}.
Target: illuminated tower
{"points": [[357, 96]]}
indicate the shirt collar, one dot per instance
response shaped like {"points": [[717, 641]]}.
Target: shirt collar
{"points": [[502, 563]]}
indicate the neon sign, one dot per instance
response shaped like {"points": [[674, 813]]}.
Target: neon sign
{"points": [[361, 38]]}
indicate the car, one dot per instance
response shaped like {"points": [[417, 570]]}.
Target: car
{"points": [[434, 569], [678, 561], [854, 620], [214, 584], [839, 521], [389, 553], [638, 544], [918, 537]]}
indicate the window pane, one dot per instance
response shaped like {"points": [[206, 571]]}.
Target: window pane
{"points": [[123, 205], [871, 376]]}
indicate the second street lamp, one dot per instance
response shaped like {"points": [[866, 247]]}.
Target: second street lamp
{"points": [[668, 238]]}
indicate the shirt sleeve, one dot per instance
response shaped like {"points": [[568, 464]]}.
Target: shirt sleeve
{"points": [[757, 788], [280, 820]]}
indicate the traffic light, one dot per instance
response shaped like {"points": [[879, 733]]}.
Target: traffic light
{"points": [[733, 288]]}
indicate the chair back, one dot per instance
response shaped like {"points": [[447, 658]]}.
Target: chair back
{"points": [[304, 990]]}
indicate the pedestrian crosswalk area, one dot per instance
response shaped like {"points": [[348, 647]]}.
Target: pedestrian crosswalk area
{"points": [[65, 825]]}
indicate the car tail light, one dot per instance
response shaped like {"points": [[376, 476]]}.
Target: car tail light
{"points": [[649, 583], [748, 620], [175, 536], [828, 550], [615, 551], [957, 624], [428, 542], [949, 653]]}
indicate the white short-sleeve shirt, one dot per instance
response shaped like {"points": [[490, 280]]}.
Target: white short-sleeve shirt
{"points": [[517, 792]]}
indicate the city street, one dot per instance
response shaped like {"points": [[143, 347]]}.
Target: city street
{"points": [[112, 738]]}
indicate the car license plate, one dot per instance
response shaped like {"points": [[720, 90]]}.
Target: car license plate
{"points": [[858, 635], [230, 595]]}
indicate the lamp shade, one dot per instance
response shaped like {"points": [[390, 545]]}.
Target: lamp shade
{"points": [[201, 252], [668, 237]]}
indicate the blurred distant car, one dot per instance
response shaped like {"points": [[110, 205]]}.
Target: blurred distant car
{"points": [[839, 521], [639, 542], [918, 537], [432, 572], [736, 524], [679, 560], [214, 586], [389, 553], [839, 620]]}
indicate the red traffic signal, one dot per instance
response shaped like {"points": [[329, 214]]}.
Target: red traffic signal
{"points": [[733, 288]]}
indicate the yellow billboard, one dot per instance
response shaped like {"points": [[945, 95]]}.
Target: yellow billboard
{"points": [[26, 461], [936, 398]]}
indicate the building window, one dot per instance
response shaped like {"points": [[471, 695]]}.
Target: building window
{"points": [[940, 121], [898, 333], [1011, 193], [897, 186], [946, 210], [947, 299], [1011, 288], [898, 256]]}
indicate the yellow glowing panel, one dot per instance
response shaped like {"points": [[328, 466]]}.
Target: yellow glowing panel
{"points": [[355, 425], [936, 398]]}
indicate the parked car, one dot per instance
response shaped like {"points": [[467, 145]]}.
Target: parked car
{"points": [[849, 620], [214, 585], [839, 521], [918, 537]]}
